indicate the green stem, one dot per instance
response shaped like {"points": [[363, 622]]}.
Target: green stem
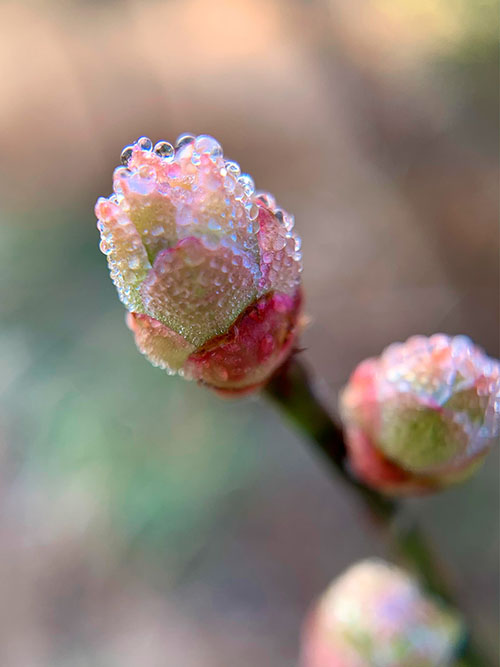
{"points": [[293, 391]]}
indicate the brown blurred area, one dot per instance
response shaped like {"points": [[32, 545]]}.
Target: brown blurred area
{"points": [[376, 123]]}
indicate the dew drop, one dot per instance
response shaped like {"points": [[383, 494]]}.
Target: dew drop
{"points": [[279, 242], [184, 216], [229, 183], [247, 184], [164, 149], [267, 199], [183, 140], [126, 154], [145, 143], [175, 172], [288, 221], [119, 175], [213, 225], [239, 192], [233, 168], [147, 171], [141, 186], [253, 211], [206, 144]]}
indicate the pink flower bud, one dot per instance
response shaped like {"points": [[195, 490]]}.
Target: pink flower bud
{"points": [[208, 269], [375, 614], [422, 415]]}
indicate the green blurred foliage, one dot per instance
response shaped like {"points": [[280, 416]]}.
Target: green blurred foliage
{"points": [[158, 451]]}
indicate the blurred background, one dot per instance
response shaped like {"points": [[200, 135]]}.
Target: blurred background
{"points": [[143, 521]]}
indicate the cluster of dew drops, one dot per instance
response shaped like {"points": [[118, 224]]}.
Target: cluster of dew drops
{"points": [[236, 183], [441, 366], [282, 254]]}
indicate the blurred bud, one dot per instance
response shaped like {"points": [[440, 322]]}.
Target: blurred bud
{"points": [[208, 268], [375, 614], [422, 415]]}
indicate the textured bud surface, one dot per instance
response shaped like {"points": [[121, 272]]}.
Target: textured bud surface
{"points": [[257, 343], [208, 267], [423, 414], [375, 615]]}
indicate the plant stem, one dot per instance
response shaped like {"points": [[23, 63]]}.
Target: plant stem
{"points": [[293, 390]]}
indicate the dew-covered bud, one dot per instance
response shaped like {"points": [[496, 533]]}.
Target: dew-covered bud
{"points": [[208, 269], [422, 415], [375, 614]]}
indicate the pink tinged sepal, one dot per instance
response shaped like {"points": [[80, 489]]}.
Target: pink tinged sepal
{"points": [[258, 342], [428, 408], [238, 362]]}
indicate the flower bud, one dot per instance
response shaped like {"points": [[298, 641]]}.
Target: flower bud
{"points": [[422, 415], [208, 269], [375, 614]]}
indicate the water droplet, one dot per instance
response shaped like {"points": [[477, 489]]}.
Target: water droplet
{"points": [[233, 168], [279, 242], [288, 221], [183, 140], [126, 154], [247, 184], [141, 186], [120, 174], [460, 346], [184, 216], [213, 225], [239, 192], [175, 172], [253, 211], [229, 183], [145, 143], [206, 144], [267, 199], [165, 150], [146, 171]]}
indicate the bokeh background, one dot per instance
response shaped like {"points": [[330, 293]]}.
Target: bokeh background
{"points": [[143, 521]]}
